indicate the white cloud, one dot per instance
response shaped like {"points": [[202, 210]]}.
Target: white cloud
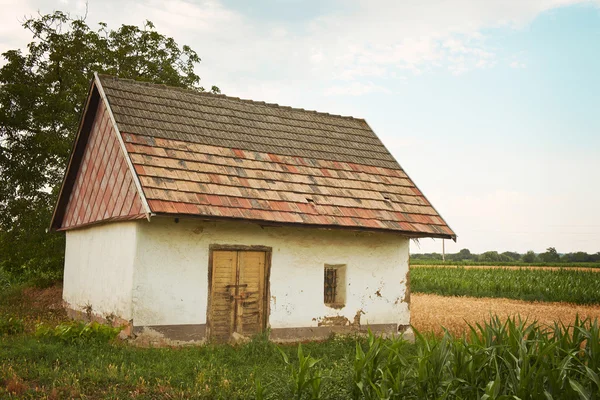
{"points": [[355, 89], [359, 71], [365, 40], [419, 35], [179, 16], [517, 64]]}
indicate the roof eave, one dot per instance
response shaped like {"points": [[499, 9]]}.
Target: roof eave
{"points": [[453, 236]]}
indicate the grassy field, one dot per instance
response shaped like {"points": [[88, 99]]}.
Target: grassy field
{"points": [[555, 361], [497, 360], [37, 368], [563, 285]]}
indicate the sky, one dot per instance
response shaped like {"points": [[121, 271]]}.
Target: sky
{"points": [[492, 107]]}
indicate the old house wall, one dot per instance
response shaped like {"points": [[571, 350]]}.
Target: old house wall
{"points": [[99, 269], [170, 287]]}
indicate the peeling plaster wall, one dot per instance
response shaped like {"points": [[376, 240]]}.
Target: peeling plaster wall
{"points": [[171, 273], [99, 268]]}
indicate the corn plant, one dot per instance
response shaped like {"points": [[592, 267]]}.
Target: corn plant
{"points": [[306, 377]]}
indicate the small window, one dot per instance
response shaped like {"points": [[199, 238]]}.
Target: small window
{"points": [[334, 285], [330, 285]]}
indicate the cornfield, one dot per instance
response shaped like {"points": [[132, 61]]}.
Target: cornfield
{"points": [[563, 285], [510, 359], [498, 360]]}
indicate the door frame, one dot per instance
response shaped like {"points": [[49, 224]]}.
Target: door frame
{"points": [[267, 290]]}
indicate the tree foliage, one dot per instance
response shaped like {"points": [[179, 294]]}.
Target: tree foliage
{"points": [[465, 254], [529, 257], [42, 92], [551, 255]]}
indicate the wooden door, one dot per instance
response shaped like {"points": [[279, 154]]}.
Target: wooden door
{"points": [[221, 307], [238, 293], [251, 280]]}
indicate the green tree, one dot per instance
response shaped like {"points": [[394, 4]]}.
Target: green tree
{"points": [[529, 257], [42, 92], [489, 256], [465, 254], [551, 255], [580, 257], [511, 255]]}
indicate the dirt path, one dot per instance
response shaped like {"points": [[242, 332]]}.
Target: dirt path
{"points": [[430, 312], [507, 267]]}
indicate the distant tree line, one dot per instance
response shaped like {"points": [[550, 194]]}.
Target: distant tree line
{"points": [[549, 256]]}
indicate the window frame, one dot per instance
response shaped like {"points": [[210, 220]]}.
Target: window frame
{"points": [[339, 291]]}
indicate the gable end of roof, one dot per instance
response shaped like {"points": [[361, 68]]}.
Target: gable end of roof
{"points": [[85, 124], [63, 210]]}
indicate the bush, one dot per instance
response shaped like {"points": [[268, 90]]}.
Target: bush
{"points": [[11, 325], [76, 331]]}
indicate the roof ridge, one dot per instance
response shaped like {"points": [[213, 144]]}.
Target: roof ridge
{"points": [[164, 86], [364, 130]]}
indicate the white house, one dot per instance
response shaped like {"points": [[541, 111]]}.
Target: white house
{"points": [[197, 216]]}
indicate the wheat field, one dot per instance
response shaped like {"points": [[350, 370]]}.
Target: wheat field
{"points": [[430, 313]]}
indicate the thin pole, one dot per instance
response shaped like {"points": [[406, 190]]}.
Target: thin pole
{"points": [[443, 250]]}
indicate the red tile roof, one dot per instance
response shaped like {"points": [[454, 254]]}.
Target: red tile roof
{"points": [[220, 157]]}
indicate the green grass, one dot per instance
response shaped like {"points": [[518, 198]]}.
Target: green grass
{"points": [[564, 285], [117, 370], [417, 261], [58, 364], [500, 359]]}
